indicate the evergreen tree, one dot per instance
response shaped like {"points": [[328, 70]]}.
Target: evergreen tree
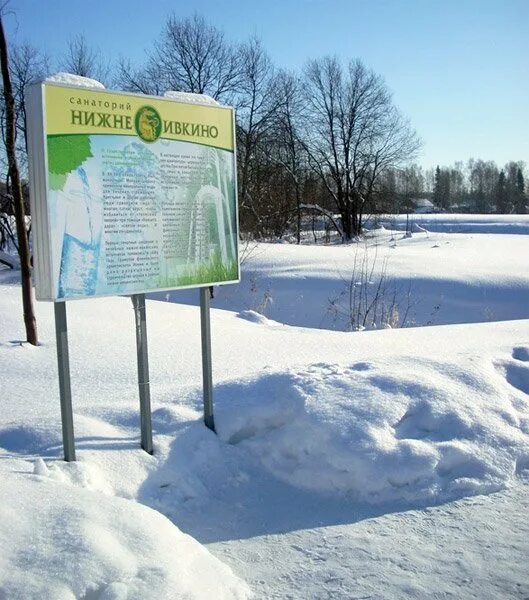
{"points": [[511, 184], [446, 200], [480, 200], [438, 188], [521, 199], [501, 195], [441, 192]]}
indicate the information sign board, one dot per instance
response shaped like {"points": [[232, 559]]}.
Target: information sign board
{"points": [[130, 193]]}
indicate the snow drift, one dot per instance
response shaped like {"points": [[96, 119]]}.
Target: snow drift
{"points": [[321, 433], [415, 430], [65, 543]]}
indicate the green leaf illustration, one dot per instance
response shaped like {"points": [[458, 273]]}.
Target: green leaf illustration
{"points": [[65, 154], [56, 182]]}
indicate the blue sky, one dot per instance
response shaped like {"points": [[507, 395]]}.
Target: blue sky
{"points": [[458, 69]]}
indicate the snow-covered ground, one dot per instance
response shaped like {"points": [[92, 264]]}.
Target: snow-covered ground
{"points": [[436, 279], [382, 464], [461, 223]]}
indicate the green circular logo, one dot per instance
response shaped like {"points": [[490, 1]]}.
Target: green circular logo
{"points": [[148, 123]]}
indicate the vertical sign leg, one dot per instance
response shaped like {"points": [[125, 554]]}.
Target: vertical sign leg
{"points": [[63, 363], [207, 377], [138, 301]]}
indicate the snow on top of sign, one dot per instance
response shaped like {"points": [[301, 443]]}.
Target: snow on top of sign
{"points": [[191, 98], [77, 80]]}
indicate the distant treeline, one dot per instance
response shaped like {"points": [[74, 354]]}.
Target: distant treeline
{"points": [[326, 141], [475, 186]]}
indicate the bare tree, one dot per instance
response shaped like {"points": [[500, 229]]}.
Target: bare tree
{"points": [[353, 134], [190, 56], [14, 175], [286, 147], [257, 106], [83, 60], [26, 66], [193, 56], [483, 176], [146, 79]]}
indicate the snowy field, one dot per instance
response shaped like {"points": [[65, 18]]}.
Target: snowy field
{"points": [[461, 223], [436, 278], [389, 463]]}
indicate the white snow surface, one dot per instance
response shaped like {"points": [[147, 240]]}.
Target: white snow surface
{"points": [[63, 542], [460, 223], [191, 98], [472, 548], [437, 279], [414, 429], [76, 80], [382, 464]]}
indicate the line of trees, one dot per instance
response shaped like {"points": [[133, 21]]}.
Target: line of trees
{"points": [[318, 141], [476, 186], [482, 187], [326, 141]]}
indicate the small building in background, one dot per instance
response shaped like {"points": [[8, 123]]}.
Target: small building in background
{"points": [[423, 206]]}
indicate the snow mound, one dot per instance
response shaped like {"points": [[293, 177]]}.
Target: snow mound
{"points": [[254, 408], [10, 260], [418, 229], [254, 317], [191, 98], [414, 430], [77, 80], [64, 543]]}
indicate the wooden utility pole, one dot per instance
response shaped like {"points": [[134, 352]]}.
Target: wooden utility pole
{"points": [[18, 198]]}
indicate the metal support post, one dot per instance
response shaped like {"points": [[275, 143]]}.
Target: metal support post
{"points": [[207, 377], [63, 364], [138, 302]]}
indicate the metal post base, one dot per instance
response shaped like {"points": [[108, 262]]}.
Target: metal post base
{"points": [[207, 377], [63, 364], [138, 302]]}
